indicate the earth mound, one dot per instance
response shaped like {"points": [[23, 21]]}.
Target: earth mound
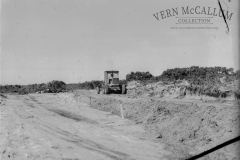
{"points": [[184, 89]]}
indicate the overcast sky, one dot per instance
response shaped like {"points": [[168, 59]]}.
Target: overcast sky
{"points": [[77, 40]]}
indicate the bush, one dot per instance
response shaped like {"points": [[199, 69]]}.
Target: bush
{"points": [[23, 91], [198, 75], [139, 76], [56, 85], [33, 88], [121, 82], [88, 85]]}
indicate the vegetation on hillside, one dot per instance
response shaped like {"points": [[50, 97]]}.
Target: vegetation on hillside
{"points": [[88, 85], [211, 81], [197, 75], [194, 74], [139, 76], [53, 86]]}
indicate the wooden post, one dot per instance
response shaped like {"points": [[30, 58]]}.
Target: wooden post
{"points": [[121, 110]]}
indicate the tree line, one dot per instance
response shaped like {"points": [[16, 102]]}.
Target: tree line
{"points": [[193, 74]]}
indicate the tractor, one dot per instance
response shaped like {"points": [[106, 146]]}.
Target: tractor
{"points": [[111, 84]]}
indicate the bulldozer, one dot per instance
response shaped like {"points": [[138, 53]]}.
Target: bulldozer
{"points": [[111, 84]]}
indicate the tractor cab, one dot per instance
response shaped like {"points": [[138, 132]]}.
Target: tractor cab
{"points": [[111, 78], [111, 83]]}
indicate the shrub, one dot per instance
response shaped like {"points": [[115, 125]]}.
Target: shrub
{"points": [[56, 85], [121, 82], [139, 76], [88, 85], [199, 75]]}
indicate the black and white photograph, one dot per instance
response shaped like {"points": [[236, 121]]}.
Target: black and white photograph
{"points": [[120, 80]]}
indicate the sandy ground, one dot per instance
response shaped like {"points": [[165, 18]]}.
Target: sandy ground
{"points": [[190, 125], [57, 126]]}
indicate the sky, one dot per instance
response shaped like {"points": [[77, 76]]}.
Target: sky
{"points": [[77, 40]]}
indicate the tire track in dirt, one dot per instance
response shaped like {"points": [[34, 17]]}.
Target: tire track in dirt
{"points": [[72, 116], [84, 143], [63, 113], [77, 140]]}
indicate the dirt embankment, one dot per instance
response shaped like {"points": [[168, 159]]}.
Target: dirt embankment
{"points": [[191, 126], [183, 89]]}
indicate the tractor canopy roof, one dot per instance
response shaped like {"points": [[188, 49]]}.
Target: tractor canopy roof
{"points": [[112, 71]]}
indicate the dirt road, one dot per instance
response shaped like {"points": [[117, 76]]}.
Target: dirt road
{"points": [[53, 126]]}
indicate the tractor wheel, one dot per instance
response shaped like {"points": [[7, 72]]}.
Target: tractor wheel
{"points": [[123, 89]]}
